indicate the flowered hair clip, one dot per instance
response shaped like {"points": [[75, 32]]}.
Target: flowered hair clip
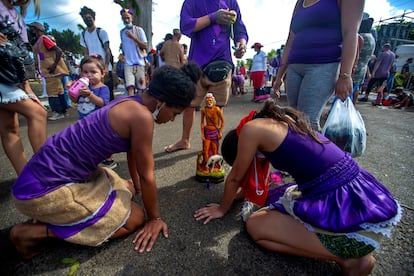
{"points": [[127, 11]]}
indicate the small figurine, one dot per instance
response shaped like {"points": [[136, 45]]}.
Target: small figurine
{"points": [[210, 165]]}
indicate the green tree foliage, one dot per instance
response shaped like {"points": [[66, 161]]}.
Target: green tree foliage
{"points": [[68, 41]]}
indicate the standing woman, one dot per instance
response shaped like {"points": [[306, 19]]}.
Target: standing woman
{"points": [[319, 54], [19, 98], [258, 68]]}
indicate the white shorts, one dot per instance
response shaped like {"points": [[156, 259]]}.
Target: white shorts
{"points": [[135, 77], [11, 94]]}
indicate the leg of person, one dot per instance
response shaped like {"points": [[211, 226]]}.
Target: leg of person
{"points": [[35, 115], [29, 238], [189, 117], [135, 220], [129, 79], [10, 139], [140, 77], [282, 233], [317, 87], [372, 82], [184, 142], [294, 77], [109, 81]]}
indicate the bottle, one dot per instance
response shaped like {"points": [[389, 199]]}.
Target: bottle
{"points": [[74, 88]]}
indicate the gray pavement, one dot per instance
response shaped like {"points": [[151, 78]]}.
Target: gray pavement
{"points": [[221, 247]]}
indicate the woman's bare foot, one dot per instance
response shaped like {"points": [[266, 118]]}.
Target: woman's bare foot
{"points": [[28, 238], [180, 145], [358, 267]]}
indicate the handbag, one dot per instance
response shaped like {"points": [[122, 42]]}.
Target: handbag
{"points": [[346, 128], [217, 70], [256, 180], [14, 55]]}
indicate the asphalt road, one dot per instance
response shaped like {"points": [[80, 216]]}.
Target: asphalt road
{"points": [[221, 247]]}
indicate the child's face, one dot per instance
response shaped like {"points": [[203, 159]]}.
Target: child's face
{"points": [[91, 71]]}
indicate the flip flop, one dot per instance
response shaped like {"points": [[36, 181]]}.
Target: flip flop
{"points": [[168, 149]]}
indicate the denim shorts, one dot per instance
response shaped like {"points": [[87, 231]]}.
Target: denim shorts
{"points": [[12, 94]]}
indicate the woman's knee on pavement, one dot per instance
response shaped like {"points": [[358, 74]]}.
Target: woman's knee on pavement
{"points": [[136, 218]]}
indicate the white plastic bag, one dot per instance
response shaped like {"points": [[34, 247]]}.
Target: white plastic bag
{"points": [[345, 127]]}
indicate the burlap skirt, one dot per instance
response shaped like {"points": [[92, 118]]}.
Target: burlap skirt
{"points": [[83, 213]]}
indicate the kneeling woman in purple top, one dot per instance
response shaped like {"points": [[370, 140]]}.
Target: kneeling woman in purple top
{"points": [[70, 197], [335, 211]]}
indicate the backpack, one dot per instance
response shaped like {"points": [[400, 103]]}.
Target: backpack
{"points": [[98, 32]]}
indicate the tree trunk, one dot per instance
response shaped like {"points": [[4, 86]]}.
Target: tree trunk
{"points": [[144, 19]]}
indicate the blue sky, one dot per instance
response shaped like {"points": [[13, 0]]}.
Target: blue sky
{"points": [[267, 21]]}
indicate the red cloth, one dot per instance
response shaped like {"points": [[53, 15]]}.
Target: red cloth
{"points": [[255, 192], [257, 78]]}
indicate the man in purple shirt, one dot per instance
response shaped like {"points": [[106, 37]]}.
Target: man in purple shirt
{"points": [[381, 70], [210, 24]]}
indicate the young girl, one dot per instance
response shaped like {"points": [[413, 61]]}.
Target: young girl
{"points": [[96, 95], [336, 211]]}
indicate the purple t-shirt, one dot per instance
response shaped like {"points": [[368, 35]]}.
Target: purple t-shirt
{"points": [[211, 43], [318, 34], [385, 60]]}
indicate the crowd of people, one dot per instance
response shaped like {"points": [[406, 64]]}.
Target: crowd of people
{"points": [[164, 82]]}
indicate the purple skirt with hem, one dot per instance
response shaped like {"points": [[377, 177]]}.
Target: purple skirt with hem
{"points": [[345, 199]]}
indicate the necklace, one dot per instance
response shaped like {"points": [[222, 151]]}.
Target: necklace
{"points": [[309, 4], [213, 41]]}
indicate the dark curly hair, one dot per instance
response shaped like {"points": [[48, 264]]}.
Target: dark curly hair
{"points": [[85, 10], [175, 86]]}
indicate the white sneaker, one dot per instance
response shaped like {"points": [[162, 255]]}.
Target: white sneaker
{"points": [[56, 116]]}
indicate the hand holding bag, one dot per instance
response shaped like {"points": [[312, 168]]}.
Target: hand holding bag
{"points": [[345, 127]]}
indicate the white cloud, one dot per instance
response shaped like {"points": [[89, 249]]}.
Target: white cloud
{"points": [[267, 21]]}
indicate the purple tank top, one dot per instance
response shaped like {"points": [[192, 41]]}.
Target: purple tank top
{"points": [[318, 35], [304, 158], [74, 153]]}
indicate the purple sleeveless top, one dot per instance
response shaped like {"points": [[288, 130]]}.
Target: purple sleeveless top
{"points": [[318, 34], [73, 154], [304, 158]]}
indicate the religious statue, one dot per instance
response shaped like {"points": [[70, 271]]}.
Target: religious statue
{"points": [[210, 165]]}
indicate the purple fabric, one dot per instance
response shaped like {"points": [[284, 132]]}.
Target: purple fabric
{"points": [[318, 35], [343, 199], [73, 154], [385, 60], [314, 160], [66, 231], [337, 195], [212, 42]]}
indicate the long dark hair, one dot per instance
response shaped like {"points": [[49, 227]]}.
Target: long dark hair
{"points": [[295, 119]]}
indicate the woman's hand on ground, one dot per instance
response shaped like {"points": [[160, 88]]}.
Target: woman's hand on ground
{"points": [[145, 239], [208, 213]]}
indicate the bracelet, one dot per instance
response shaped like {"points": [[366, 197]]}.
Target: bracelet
{"points": [[345, 75], [157, 218], [212, 17]]}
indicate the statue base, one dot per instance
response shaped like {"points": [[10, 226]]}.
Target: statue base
{"points": [[212, 171]]}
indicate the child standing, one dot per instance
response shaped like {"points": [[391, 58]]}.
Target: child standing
{"points": [[96, 95]]}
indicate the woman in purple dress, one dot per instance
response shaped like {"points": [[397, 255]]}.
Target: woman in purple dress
{"points": [[335, 211]]}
